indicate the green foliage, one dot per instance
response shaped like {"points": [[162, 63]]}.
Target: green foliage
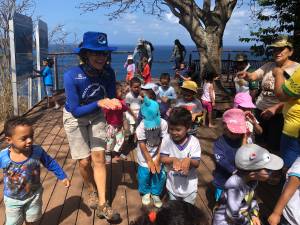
{"points": [[274, 18]]}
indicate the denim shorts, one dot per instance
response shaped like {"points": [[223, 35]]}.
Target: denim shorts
{"points": [[17, 211], [49, 91]]}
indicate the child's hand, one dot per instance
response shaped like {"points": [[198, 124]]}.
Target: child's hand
{"points": [[255, 220], [164, 99], [66, 182], [151, 166], [250, 116], [213, 104], [185, 165], [157, 165], [274, 219], [176, 164]]}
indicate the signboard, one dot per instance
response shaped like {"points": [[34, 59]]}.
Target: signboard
{"points": [[41, 49]]}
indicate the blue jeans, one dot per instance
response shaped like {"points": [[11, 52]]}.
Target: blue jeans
{"points": [[290, 149], [151, 183]]}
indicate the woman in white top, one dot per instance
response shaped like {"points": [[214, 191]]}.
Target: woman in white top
{"points": [[208, 99], [269, 107]]}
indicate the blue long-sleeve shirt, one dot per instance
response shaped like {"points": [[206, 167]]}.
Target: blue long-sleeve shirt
{"points": [[224, 151], [46, 73], [83, 91], [22, 179]]}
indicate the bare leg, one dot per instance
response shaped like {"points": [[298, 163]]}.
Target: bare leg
{"points": [[87, 173], [204, 118], [98, 159], [210, 124]]}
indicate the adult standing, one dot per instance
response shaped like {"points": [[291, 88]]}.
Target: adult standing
{"points": [[88, 88], [143, 49], [268, 105], [178, 53]]}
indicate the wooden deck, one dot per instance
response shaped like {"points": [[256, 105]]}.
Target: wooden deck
{"points": [[68, 205]]}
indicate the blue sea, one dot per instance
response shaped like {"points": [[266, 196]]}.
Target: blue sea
{"points": [[161, 62]]}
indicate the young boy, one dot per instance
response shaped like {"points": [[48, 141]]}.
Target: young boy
{"points": [[226, 146], [237, 205], [181, 153], [133, 100], [151, 176], [289, 201], [189, 100], [20, 162]]}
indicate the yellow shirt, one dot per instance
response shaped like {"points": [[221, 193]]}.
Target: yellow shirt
{"points": [[291, 109]]}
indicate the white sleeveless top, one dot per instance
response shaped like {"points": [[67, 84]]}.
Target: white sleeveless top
{"points": [[206, 96]]}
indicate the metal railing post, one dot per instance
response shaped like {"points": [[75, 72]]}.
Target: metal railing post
{"points": [[55, 71], [29, 92]]}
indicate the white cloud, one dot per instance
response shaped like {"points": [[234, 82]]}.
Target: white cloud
{"points": [[171, 18]]}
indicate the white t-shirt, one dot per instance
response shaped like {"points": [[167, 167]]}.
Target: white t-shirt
{"points": [[193, 106], [267, 96], [141, 136], [134, 104], [178, 184], [291, 211]]}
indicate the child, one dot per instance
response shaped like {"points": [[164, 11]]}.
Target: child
{"points": [[190, 102], [133, 100], [115, 132], [146, 73], [151, 176], [130, 67], [181, 153], [173, 213], [46, 73], [243, 101], [166, 92], [208, 99], [226, 146], [182, 74], [237, 205], [288, 203], [20, 162]]}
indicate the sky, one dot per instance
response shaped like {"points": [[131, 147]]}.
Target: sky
{"points": [[132, 26]]}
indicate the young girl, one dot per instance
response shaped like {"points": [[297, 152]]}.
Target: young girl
{"points": [[146, 73], [208, 99], [243, 101], [151, 130], [238, 205], [130, 67], [115, 129]]}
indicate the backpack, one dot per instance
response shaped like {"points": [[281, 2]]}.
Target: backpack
{"points": [[150, 44]]}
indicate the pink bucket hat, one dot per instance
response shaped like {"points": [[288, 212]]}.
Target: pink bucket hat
{"points": [[235, 120], [243, 99]]}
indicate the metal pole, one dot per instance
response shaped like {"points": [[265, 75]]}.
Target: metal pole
{"points": [[29, 92], [13, 67], [55, 71], [38, 61]]}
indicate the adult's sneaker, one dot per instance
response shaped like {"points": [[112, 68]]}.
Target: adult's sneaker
{"points": [[146, 199], [156, 201]]}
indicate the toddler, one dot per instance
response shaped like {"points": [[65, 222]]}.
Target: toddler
{"points": [[181, 152], [237, 204], [208, 99], [130, 67], [20, 162], [151, 175], [225, 147]]}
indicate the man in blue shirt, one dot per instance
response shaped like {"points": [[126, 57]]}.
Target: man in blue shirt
{"points": [[88, 88]]}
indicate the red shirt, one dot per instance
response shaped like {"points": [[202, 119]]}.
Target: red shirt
{"points": [[146, 74], [115, 117]]}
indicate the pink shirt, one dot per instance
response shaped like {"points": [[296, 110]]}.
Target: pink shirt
{"points": [[115, 117]]}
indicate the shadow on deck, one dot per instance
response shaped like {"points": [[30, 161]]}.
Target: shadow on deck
{"points": [[68, 206]]}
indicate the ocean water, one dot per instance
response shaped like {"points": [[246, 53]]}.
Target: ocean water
{"points": [[160, 64]]}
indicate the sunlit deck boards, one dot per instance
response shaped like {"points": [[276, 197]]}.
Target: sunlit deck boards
{"points": [[68, 205]]}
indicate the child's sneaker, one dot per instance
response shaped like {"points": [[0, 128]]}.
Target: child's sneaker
{"points": [[105, 211], [156, 201], [93, 200], [146, 200]]}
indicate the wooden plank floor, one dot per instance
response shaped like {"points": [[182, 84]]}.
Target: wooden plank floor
{"points": [[68, 206]]}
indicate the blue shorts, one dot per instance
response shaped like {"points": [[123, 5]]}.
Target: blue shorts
{"points": [[18, 211], [49, 91], [290, 149]]}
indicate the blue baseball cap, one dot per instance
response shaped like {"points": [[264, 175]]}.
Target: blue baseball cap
{"points": [[94, 41]]}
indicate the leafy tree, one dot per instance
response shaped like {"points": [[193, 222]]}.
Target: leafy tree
{"points": [[205, 25], [274, 18]]}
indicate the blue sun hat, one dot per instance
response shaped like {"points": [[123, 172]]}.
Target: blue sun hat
{"points": [[94, 41], [150, 113]]}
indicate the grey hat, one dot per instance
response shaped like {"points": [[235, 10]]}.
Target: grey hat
{"points": [[253, 157]]}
